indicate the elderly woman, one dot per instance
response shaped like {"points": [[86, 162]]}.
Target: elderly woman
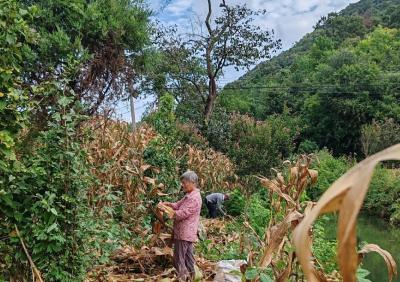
{"points": [[186, 215]]}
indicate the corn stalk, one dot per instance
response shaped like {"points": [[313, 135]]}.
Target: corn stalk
{"points": [[346, 197]]}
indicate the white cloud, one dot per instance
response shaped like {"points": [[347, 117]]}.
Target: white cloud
{"points": [[178, 7]]}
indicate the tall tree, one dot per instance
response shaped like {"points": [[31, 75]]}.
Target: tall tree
{"points": [[232, 41], [101, 37], [228, 39]]}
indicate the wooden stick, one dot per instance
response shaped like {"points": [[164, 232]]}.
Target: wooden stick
{"points": [[35, 270]]}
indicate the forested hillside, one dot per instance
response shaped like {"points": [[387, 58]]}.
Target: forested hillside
{"points": [[336, 79]]}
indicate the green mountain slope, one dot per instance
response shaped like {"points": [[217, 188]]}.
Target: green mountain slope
{"points": [[342, 75]]}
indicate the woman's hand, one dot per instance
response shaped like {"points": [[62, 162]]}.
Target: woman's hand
{"points": [[166, 207], [167, 204]]}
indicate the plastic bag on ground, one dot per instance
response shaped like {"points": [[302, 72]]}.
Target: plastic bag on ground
{"points": [[229, 271]]}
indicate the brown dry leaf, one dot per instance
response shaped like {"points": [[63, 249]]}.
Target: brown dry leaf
{"points": [[114, 139], [212, 167], [390, 262], [145, 167], [313, 175], [346, 195], [167, 210], [320, 275], [149, 180], [129, 169], [294, 171], [159, 214], [274, 186], [275, 236], [167, 251], [156, 228]]}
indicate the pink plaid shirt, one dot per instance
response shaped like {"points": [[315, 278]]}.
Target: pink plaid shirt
{"points": [[187, 216]]}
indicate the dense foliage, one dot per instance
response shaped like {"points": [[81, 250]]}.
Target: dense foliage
{"points": [[382, 199], [16, 36], [379, 135], [56, 69], [255, 146]]}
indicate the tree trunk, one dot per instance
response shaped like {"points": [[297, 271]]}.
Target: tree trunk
{"points": [[212, 95]]}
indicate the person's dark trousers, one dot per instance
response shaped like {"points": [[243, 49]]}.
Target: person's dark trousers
{"points": [[212, 209], [184, 260]]}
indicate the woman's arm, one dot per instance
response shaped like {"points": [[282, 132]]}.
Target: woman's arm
{"points": [[190, 208], [175, 205]]}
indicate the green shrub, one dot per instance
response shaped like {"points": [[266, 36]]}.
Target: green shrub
{"points": [[324, 247], [163, 120], [236, 204], [379, 135], [188, 133], [383, 194], [46, 201], [307, 147], [254, 146], [395, 216], [258, 213], [329, 169], [219, 131], [159, 154]]}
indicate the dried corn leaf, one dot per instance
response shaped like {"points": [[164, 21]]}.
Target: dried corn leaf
{"points": [[275, 186], [346, 195], [275, 236], [167, 251], [167, 210], [313, 175], [390, 262]]}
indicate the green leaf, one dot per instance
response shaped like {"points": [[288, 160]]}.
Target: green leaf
{"points": [[64, 101], [251, 273], [3, 104], [53, 211], [265, 278], [9, 154], [6, 139], [8, 200], [361, 274], [11, 39], [52, 227], [23, 12]]}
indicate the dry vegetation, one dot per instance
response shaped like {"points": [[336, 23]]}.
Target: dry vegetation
{"points": [[214, 169], [117, 156]]}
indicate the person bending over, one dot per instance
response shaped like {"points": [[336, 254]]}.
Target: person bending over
{"points": [[214, 203]]}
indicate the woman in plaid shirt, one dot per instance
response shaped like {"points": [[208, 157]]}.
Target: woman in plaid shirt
{"points": [[186, 215]]}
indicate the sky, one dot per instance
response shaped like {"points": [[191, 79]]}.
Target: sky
{"points": [[290, 20]]}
